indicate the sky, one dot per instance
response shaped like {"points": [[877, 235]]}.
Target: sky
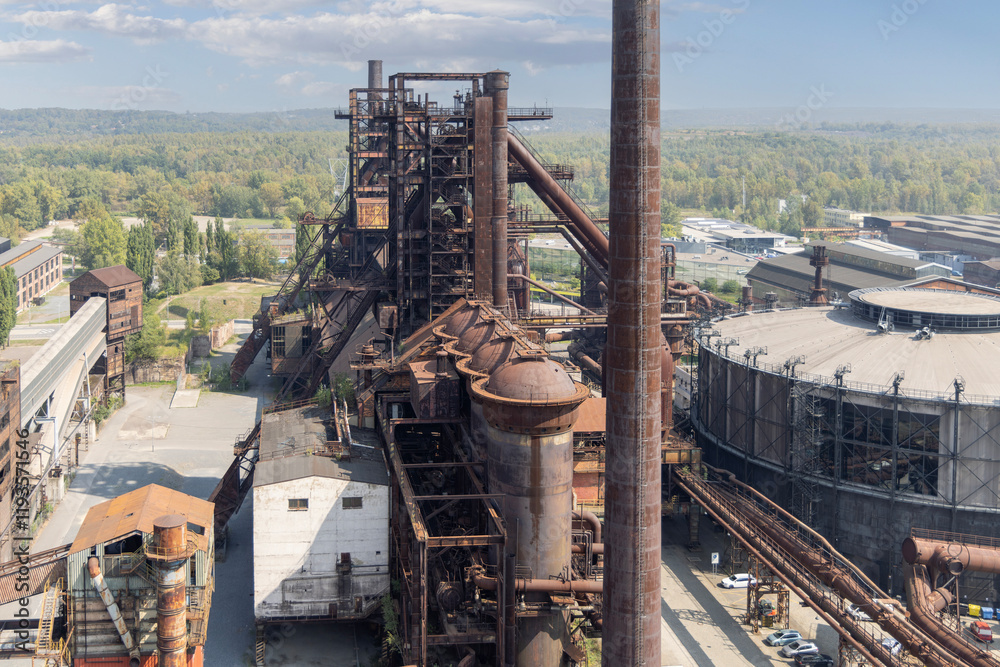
{"points": [[274, 55]]}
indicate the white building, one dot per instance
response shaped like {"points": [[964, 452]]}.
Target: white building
{"points": [[321, 522], [838, 217]]}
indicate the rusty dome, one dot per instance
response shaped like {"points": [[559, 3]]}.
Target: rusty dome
{"points": [[463, 319], [476, 335], [532, 377], [493, 354]]}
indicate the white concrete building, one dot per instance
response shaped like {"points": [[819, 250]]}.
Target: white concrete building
{"points": [[321, 522], [839, 217]]}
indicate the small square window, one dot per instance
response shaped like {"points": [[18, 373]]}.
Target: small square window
{"points": [[353, 503], [298, 503]]}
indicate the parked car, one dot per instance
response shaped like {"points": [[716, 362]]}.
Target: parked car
{"points": [[855, 612], [813, 660], [798, 648], [738, 580], [981, 631], [892, 645], [782, 637]]}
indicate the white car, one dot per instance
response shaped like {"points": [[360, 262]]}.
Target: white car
{"points": [[892, 645], [739, 580], [801, 647], [855, 612]]}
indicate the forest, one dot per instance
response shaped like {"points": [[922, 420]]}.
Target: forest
{"points": [[164, 177]]}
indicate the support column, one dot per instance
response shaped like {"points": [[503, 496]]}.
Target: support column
{"points": [[482, 212], [496, 84], [169, 553]]}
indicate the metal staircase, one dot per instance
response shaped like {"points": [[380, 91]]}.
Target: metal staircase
{"points": [[50, 652]]}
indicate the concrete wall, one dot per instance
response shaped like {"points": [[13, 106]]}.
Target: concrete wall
{"points": [[164, 370], [221, 333], [297, 552]]}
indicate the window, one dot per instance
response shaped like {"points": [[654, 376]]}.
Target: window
{"points": [[278, 342], [295, 504], [352, 503]]}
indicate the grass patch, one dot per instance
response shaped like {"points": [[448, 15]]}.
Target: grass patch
{"points": [[226, 301]]}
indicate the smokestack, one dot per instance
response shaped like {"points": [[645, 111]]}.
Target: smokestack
{"points": [[820, 261], [169, 553], [482, 214], [496, 84], [633, 365], [375, 74]]}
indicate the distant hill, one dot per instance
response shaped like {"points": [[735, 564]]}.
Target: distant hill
{"points": [[78, 123]]}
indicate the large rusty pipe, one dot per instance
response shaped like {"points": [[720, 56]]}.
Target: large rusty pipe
{"points": [[480, 579], [632, 366], [589, 233], [558, 336], [951, 557], [548, 290], [94, 568], [169, 553], [585, 360], [922, 607], [596, 548], [496, 84]]}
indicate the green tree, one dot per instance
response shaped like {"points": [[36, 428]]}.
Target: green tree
{"points": [[710, 285], [209, 238], [192, 245], [272, 197], [670, 218], [104, 242], [258, 258], [147, 343], [730, 287], [178, 274], [141, 252], [8, 303]]}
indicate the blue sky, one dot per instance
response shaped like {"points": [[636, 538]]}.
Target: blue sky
{"points": [[270, 55]]}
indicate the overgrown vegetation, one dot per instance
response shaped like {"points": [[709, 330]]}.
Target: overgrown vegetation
{"points": [[324, 397], [105, 410], [343, 388]]}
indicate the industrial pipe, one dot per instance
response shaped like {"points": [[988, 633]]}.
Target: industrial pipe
{"points": [[94, 568], [593, 520], [596, 548], [169, 553], [951, 557], [487, 583], [922, 607], [577, 354], [530, 281], [586, 230], [557, 336]]}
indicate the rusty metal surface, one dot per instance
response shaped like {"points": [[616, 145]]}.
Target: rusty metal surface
{"points": [[137, 510], [483, 198], [951, 557], [496, 84], [593, 415], [632, 367], [170, 540], [44, 567]]}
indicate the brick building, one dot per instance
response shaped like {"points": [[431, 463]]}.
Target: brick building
{"points": [[38, 267], [123, 290], [10, 422]]}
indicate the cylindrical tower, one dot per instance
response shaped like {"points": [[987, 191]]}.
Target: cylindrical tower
{"points": [[170, 553], [375, 74], [633, 362], [530, 404], [496, 84]]}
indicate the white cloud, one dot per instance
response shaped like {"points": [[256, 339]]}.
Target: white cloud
{"points": [[35, 51], [110, 19], [323, 88], [293, 78]]}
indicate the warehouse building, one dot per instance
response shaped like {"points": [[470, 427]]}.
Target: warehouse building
{"points": [[38, 267], [975, 235]]}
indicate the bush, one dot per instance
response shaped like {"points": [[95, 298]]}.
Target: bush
{"points": [[105, 410], [710, 285], [343, 387], [730, 287], [324, 397]]}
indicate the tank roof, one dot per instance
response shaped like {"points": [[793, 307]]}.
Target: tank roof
{"points": [[829, 338], [532, 377]]}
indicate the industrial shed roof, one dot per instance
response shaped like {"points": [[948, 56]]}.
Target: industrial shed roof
{"points": [[293, 444], [115, 276], [137, 510], [793, 272]]}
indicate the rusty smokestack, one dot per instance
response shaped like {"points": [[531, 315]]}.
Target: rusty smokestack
{"points": [[820, 261], [482, 211], [633, 364], [496, 84], [375, 74], [169, 553]]}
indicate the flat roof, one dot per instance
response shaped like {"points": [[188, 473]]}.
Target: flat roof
{"points": [[829, 338], [934, 301]]}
